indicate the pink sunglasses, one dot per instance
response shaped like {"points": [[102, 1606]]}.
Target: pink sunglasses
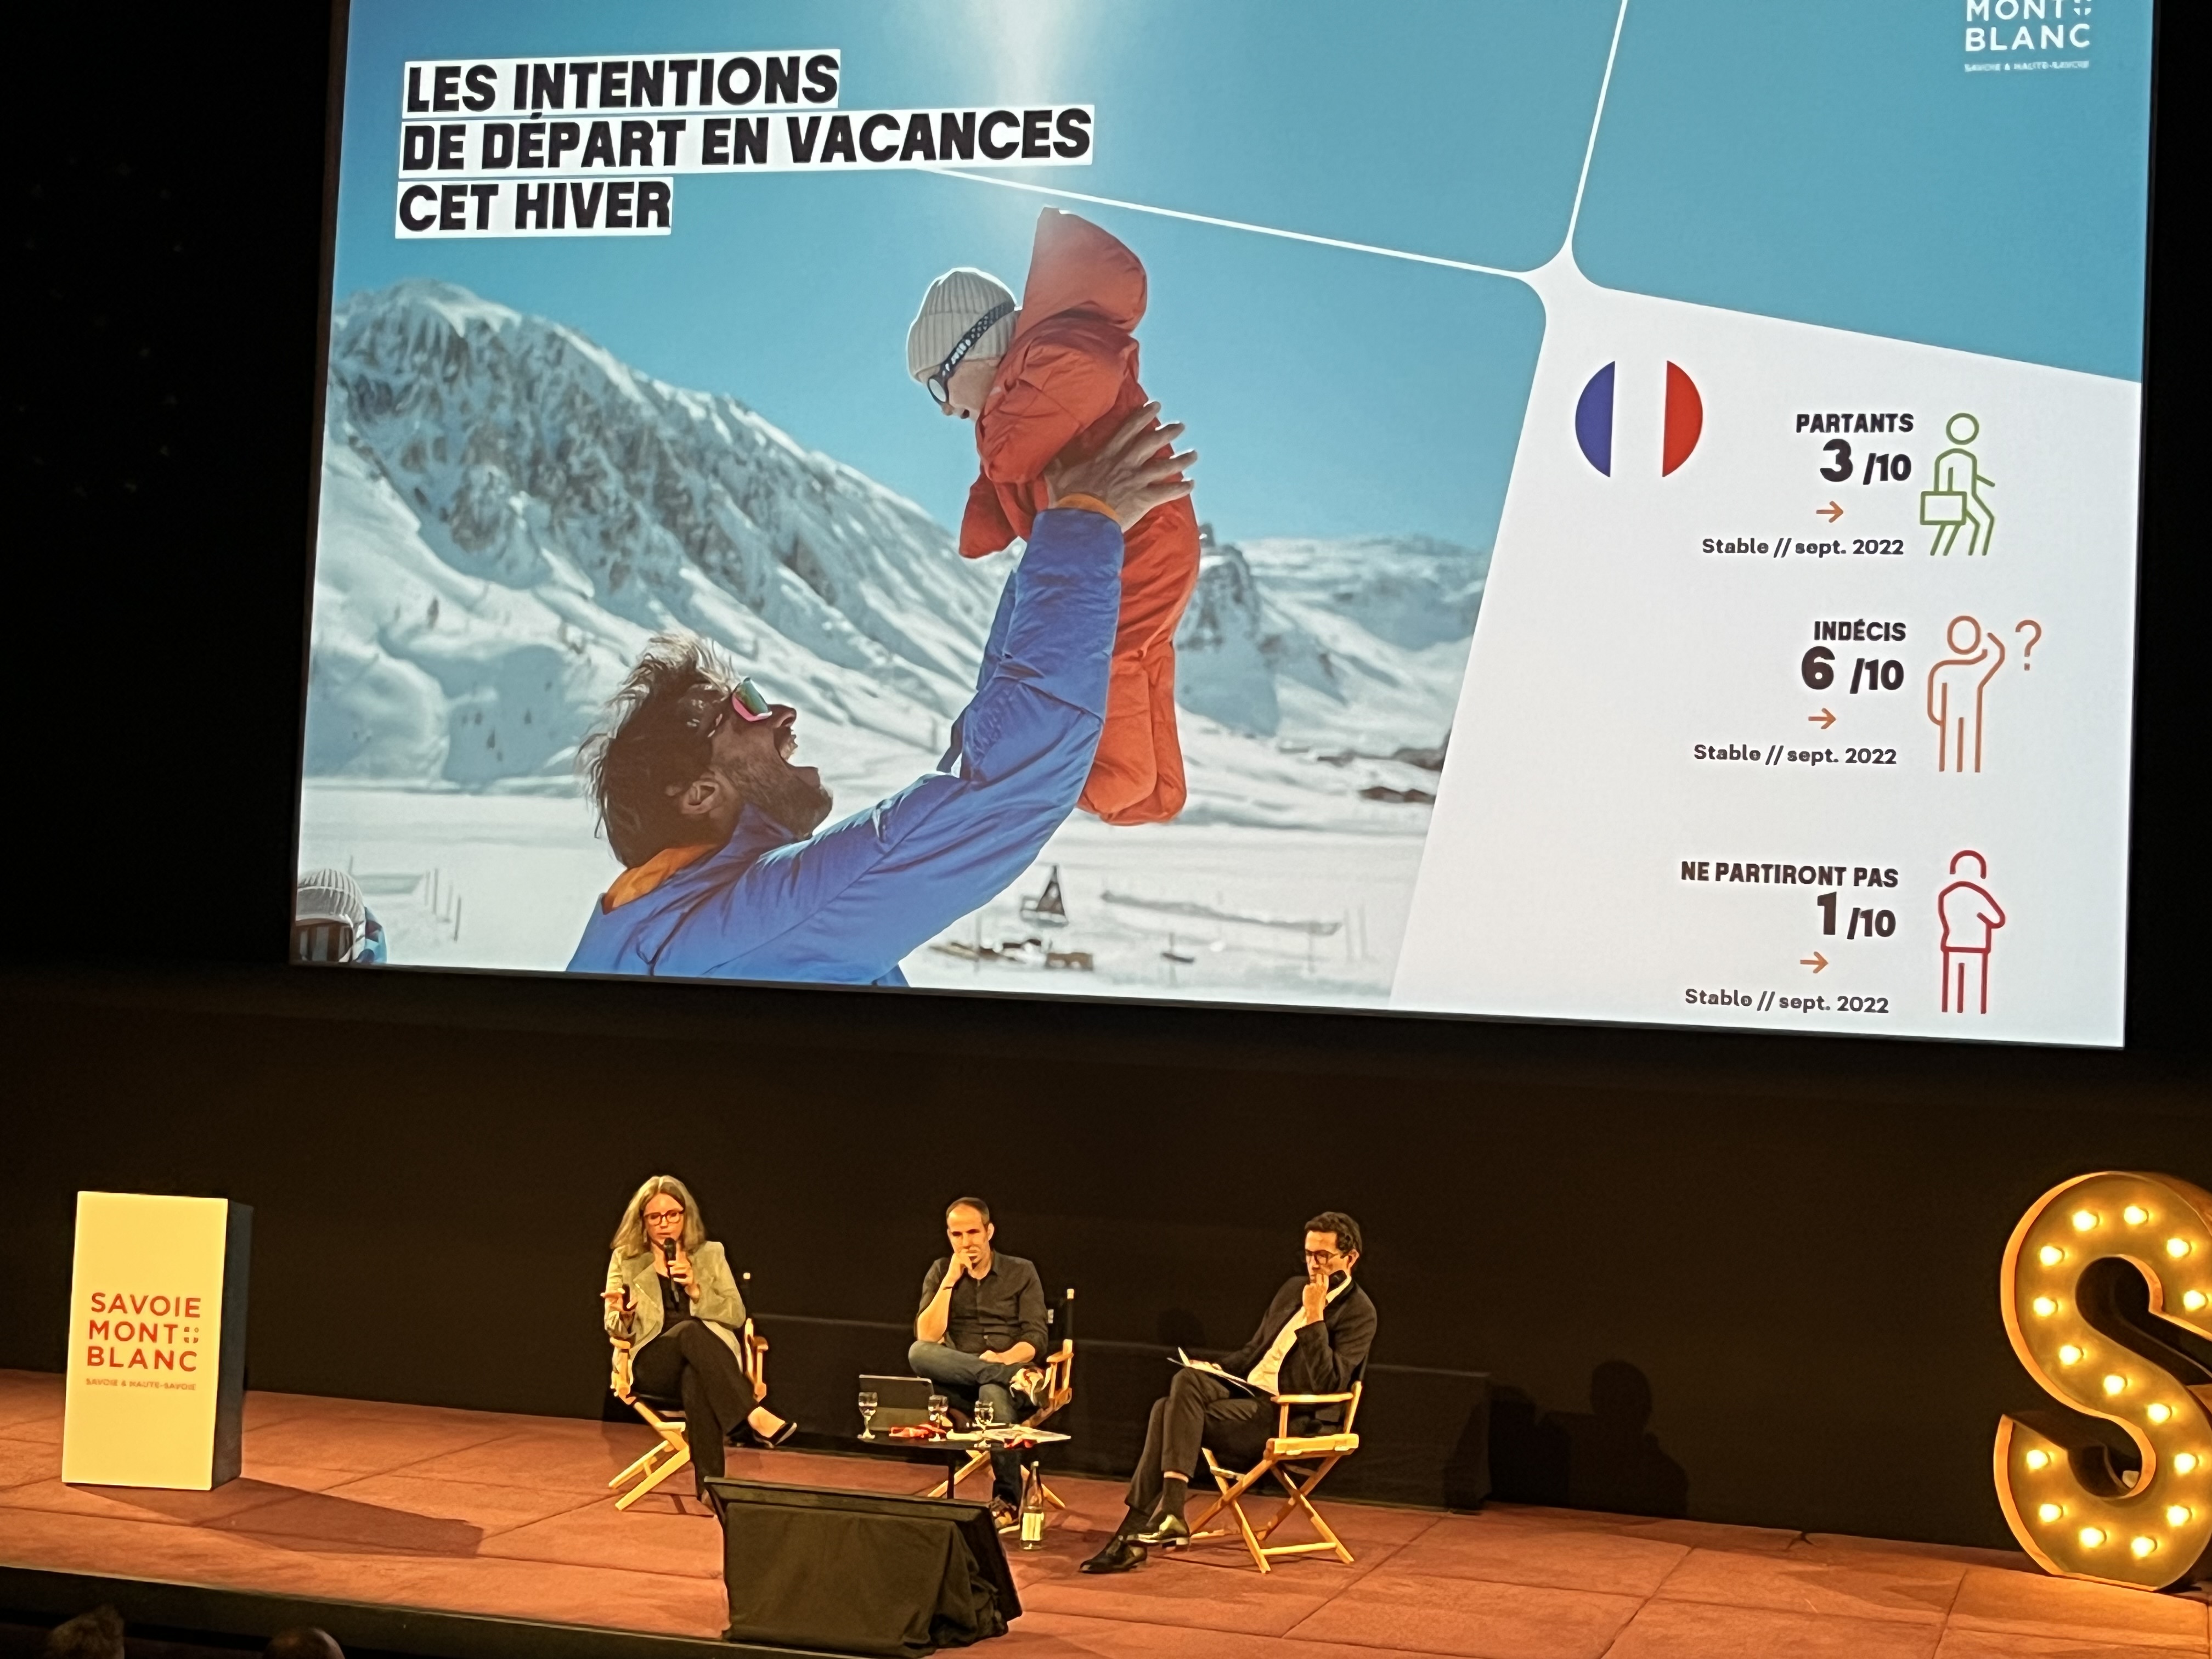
{"points": [[745, 703]]}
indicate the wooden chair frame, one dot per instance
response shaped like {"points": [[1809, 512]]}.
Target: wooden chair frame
{"points": [[673, 1451], [1059, 1394], [1299, 1463]]}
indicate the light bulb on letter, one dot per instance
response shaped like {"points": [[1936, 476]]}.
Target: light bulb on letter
{"points": [[2148, 1529]]}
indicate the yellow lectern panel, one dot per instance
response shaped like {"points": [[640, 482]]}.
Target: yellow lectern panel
{"points": [[151, 1401]]}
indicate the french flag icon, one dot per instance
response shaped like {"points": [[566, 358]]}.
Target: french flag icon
{"points": [[1685, 419]]}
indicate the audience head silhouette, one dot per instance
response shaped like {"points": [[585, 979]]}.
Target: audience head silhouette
{"points": [[95, 1635], [303, 1642]]}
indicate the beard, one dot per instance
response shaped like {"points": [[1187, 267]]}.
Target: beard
{"points": [[792, 797]]}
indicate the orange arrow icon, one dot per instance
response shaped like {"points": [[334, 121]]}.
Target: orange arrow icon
{"points": [[1815, 962], [1831, 512], [1824, 719]]}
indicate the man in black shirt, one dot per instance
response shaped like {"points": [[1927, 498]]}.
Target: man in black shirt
{"points": [[979, 1332]]}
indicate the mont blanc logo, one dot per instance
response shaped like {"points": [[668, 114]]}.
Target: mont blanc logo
{"points": [[2029, 34]]}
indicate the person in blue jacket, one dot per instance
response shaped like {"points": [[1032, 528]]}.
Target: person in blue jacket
{"points": [[725, 873]]}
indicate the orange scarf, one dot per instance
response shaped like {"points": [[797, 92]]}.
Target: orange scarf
{"points": [[636, 883]]}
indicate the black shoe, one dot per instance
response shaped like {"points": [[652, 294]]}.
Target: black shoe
{"points": [[1120, 1555], [1169, 1532], [771, 1442]]}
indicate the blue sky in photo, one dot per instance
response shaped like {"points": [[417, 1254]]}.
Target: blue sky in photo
{"points": [[1814, 160], [1332, 393], [1837, 163]]}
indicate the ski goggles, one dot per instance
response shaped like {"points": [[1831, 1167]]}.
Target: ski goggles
{"points": [[940, 384], [326, 941], [704, 715]]}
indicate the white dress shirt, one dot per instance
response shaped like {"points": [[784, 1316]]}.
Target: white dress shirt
{"points": [[1264, 1375]]}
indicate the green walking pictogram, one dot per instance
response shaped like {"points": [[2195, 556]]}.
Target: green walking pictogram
{"points": [[1955, 503]]}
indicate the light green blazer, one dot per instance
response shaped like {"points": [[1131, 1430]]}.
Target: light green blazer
{"points": [[719, 1306]]}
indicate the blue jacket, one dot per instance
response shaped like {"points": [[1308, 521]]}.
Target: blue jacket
{"points": [[843, 905]]}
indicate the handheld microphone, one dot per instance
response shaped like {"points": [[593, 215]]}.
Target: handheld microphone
{"points": [[668, 1251]]}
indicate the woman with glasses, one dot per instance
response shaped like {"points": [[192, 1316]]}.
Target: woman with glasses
{"points": [[671, 1297]]}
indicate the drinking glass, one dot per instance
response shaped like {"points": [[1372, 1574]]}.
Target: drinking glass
{"points": [[987, 1416], [937, 1411], [867, 1413]]}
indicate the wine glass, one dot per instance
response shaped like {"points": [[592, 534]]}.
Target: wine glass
{"points": [[867, 1413]]}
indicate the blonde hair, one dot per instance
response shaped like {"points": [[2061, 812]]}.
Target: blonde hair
{"points": [[630, 1237]]}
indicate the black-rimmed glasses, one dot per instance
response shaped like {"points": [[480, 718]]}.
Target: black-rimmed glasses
{"points": [[940, 384]]}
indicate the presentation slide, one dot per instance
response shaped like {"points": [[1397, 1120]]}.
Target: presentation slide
{"points": [[1661, 549]]}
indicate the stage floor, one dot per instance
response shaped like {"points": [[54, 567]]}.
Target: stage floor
{"points": [[481, 1513]]}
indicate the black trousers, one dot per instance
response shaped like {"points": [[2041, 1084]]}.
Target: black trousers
{"points": [[1198, 1410], [687, 1362]]}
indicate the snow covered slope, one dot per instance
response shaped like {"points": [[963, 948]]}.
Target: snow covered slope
{"points": [[508, 511], [1355, 644]]}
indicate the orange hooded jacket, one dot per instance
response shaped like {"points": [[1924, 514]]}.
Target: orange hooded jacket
{"points": [[1069, 378]]}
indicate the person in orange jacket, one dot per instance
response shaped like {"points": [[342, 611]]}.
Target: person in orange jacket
{"points": [[1061, 370]]}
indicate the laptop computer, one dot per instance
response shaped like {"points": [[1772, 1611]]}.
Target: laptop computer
{"points": [[901, 1401]]}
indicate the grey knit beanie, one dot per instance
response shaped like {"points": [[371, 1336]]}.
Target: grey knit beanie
{"points": [[955, 302], [329, 894]]}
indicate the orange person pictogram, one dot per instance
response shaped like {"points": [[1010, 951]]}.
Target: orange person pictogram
{"points": [[1955, 692]]}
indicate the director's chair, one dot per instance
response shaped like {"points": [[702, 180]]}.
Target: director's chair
{"points": [[665, 1419], [1299, 1463], [1059, 1393]]}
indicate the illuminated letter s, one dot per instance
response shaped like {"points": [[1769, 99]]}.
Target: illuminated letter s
{"points": [[2066, 1504]]}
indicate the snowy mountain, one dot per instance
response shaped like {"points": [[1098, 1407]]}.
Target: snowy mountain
{"points": [[1357, 644], [508, 511]]}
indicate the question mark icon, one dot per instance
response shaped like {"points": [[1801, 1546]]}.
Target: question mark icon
{"points": [[2034, 640]]}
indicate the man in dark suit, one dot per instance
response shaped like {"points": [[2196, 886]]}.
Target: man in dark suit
{"points": [[1313, 1338]]}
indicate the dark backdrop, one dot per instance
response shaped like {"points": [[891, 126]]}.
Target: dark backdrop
{"points": [[1783, 1250]]}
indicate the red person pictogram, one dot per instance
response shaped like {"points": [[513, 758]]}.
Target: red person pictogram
{"points": [[1970, 916]]}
